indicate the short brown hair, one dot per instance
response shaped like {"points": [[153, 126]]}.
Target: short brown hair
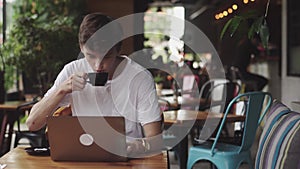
{"points": [[92, 23]]}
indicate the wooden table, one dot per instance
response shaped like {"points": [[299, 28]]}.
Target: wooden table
{"points": [[19, 159], [183, 120], [10, 105], [9, 110], [183, 101], [178, 117]]}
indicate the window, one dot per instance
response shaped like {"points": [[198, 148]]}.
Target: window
{"points": [[293, 27], [6, 18], [159, 29]]}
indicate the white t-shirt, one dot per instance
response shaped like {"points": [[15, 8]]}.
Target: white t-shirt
{"points": [[131, 94]]}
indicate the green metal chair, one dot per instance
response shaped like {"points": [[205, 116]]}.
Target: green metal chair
{"points": [[229, 156]]}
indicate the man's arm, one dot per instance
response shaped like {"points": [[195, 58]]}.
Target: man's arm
{"points": [[152, 129], [149, 117], [152, 143], [45, 107], [153, 136]]}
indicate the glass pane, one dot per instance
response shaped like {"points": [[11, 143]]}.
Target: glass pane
{"points": [[158, 29], [1, 22], [293, 38]]}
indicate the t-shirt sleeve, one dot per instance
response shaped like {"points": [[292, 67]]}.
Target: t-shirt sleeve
{"points": [[148, 107], [62, 76]]}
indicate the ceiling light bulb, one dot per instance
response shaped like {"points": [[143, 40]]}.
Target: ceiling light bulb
{"points": [[225, 13], [217, 16], [234, 7]]}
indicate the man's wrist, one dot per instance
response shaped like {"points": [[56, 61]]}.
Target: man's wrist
{"points": [[146, 145]]}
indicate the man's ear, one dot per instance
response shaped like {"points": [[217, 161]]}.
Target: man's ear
{"points": [[81, 55], [81, 47]]}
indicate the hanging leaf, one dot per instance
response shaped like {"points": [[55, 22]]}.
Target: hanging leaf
{"points": [[226, 26], [232, 25], [235, 24], [264, 35], [255, 27]]}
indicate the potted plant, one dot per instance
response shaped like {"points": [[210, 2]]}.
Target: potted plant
{"points": [[7, 73], [2, 70], [43, 38], [158, 79], [258, 25]]}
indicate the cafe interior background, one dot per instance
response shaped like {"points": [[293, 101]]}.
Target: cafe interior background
{"points": [[35, 47]]}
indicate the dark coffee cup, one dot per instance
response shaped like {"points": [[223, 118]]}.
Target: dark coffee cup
{"points": [[97, 78]]}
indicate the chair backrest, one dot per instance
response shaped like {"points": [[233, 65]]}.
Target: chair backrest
{"points": [[164, 105], [255, 111], [189, 85], [218, 92], [24, 107]]}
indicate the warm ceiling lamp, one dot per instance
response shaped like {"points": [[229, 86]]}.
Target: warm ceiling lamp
{"points": [[230, 10], [221, 15], [225, 13], [234, 7], [245, 1], [217, 16]]}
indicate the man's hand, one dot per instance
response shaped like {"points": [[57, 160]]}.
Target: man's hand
{"points": [[75, 82], [138, 146]]}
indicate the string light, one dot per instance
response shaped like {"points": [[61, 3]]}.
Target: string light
{"points": [[221, 15], [225, 13], [230, 10], [217, 16], [234, 7]]}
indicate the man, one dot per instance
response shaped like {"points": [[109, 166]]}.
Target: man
{"points": [[129, 92]]}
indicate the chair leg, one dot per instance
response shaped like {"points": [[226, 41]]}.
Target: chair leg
{"points": [[17, 139], [168, 159]]}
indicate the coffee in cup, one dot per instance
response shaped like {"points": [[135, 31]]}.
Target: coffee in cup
{"points": [[97, 78]]}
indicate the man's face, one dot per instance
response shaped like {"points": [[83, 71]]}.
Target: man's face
{"points": [[100, 62]]}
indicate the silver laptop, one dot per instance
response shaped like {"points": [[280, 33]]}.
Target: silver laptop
{"points": [[87, 138]]}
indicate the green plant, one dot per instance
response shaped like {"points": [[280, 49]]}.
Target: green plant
{"points": [[7, 70], [258, 25], [2, 63], [158, 78], [43, 38]]}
